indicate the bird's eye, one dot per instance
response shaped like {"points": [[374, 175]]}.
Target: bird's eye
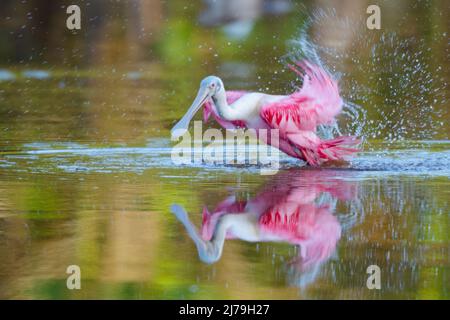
{"points": [[213, 85]]}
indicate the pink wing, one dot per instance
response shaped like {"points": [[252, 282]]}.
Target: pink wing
{"points": [[209, 109], [297, 219], [317, 102], [298, 115]]}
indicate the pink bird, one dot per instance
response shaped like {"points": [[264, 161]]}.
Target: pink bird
{"points": [[296, 116], [284, 211]]}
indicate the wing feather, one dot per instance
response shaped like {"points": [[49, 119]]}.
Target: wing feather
{"points": [[317, 102]]}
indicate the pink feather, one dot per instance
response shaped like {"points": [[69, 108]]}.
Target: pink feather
{"points": [[210, 109], [297, 116]]}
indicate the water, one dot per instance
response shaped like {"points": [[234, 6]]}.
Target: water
{"points": [[86, 176], [108, 210]]}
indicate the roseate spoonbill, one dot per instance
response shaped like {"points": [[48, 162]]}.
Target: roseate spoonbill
{"points": [[284, 211], [296, 116]]}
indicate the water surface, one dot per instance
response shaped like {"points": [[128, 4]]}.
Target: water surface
{"points": [[86, 176]]}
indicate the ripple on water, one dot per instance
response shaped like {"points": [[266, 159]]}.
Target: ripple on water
{"points": [[412, 161], [75, 157]]}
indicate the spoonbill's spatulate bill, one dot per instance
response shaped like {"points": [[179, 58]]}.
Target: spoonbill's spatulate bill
{"points": [[296, 116]]}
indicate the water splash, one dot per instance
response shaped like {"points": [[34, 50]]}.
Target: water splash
{"points": [[391, 88]]}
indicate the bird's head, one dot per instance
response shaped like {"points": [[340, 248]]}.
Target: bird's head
{"points": [[209, 87], [212, 85]]}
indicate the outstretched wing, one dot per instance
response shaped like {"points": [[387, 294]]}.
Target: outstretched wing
{"points": [[317, 102]]}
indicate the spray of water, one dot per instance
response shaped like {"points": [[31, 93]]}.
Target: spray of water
{"points": [[393, 90]]}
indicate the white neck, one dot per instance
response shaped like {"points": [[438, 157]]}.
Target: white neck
{"points": [[225, 111]]}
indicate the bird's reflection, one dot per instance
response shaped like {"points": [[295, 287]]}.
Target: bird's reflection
{"points": [[296, 207]]}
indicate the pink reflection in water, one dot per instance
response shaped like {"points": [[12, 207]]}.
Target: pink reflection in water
{"points": [[286, 210]]}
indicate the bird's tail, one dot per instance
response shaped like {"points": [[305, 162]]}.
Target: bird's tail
{"points": [[339, 148]]}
